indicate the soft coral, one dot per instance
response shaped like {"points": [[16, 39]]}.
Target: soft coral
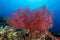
{"points": [[38, 20]]}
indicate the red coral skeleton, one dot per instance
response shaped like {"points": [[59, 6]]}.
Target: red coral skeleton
{"points": [[39, 20]]}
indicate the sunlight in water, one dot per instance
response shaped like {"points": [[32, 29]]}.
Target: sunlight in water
{"points": [[34, 0]]}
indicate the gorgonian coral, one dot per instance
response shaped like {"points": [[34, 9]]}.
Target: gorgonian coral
{"points": [[37, 20]]}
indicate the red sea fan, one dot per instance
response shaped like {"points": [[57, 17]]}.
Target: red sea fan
{"points": [[42, 19], [17, 20], [39, 20]]}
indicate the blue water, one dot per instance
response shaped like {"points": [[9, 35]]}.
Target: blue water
{"points": [[8, 6]]}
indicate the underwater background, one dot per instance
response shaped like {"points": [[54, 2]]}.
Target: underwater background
{"points": [[8, 6]]}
